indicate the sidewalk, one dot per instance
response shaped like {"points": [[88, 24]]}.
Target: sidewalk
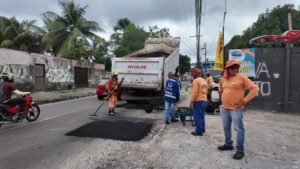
{"points": [[59, 95]]}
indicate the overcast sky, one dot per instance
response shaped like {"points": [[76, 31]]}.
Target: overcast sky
{"points": [[177, 15]]}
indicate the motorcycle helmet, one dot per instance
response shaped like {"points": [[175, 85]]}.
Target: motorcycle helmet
{"points": [[8, 76]]}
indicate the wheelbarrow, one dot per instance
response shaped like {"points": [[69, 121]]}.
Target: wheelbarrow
{"points": [[183, 112]]}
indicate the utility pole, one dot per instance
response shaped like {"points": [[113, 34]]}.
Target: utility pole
{"points": [[204, 48], [288, 47], [205, 60], [198, 12], [223, 28]]}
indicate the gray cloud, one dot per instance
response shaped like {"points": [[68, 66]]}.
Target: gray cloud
{"points": [[178, 15]]}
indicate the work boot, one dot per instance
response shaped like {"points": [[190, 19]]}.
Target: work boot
{"points": [[225, 147], [174, 120], [238, 155], [110, 112], [18, 117], [15, 118], [194, 133]]}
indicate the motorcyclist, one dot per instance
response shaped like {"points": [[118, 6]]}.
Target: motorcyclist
{"points": [[9, 88], [112, 86]]}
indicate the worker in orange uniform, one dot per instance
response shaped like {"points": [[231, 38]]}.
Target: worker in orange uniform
{"points": [[209, 79], [112, 87], [210, 82], [232, 86], [198, 101]]}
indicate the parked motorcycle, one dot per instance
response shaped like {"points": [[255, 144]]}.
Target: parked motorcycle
{"points": [[214, 100], [7, 113]]}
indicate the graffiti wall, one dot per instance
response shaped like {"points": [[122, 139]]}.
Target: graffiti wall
{"points": [[22, 75], [55, 75], [270, 78], [58, 73]]}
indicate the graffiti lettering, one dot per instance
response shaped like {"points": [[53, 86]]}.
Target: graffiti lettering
{"points": [[262, 68], [19, 71], [264, 88], [55, 75]]}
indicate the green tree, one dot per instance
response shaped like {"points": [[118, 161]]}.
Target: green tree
{"points": [[130, 40], [23, 35], [272, 22], [184, 64], [67, 30], [156, 32], [129, 37], [122, 24]]}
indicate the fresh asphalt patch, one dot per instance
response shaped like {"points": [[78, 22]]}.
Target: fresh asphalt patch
{"points": [[119, 129]]}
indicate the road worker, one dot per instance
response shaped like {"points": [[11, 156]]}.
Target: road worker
{"points": [[232, 86], [112, 87]]}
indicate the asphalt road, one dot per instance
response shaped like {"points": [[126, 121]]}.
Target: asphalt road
{"points": [[44, 143]]}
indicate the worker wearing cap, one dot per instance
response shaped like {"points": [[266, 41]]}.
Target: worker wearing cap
{"points": [[172, 96], [198, 101], [112, 86], [209, 79], [210, 82], [232, 86]]}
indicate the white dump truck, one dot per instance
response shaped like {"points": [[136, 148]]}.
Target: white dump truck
{"points": [[146, 71]]}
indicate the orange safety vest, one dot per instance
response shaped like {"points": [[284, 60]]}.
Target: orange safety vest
{"points": [[111, 84]]}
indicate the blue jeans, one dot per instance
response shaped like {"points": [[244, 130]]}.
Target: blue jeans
{"points": [[235, 116], [199, 115], [169, 110]]}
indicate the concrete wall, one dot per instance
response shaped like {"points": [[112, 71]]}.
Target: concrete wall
{"points": [[270, 78], [59, 72]]}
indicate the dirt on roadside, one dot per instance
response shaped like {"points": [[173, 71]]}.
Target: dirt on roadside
{"points": [[272, 141]]}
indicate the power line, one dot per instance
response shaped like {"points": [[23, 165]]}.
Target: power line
{"points": [[188, 46]]}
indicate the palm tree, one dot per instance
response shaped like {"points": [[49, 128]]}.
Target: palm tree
{"points": [[65, 30], [21, 36], [122, 24]]}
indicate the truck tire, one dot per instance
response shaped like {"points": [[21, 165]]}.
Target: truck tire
{"points": [[132, 101], [149, 108]]}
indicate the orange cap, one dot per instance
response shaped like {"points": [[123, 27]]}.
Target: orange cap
{"points": [[230, 63]]}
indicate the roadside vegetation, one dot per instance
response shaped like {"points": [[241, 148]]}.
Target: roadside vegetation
{"points": [[69, 34]]}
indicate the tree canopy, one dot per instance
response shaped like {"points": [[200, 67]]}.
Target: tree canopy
{"points": [[272, 22], [184, 64], [25, 35], [69, 31]]}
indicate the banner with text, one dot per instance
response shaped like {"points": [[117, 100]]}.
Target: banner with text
{"points": [[246, 58], [219, 60]]}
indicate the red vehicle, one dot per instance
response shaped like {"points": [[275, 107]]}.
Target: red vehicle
{"points": [[103, 92], [101, 89], [7, 113], [288, 36]]}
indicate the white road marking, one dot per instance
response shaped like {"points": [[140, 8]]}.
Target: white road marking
{"points": [[31, 123]]}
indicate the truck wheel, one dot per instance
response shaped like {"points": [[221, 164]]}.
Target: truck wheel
{"points": [[149, 108], [100, 97], [132, 101]]}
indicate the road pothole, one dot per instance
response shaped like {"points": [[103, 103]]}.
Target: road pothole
{"points": [[116, 130]]}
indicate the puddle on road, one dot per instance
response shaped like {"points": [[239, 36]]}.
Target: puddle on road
{"points": [[116, 130]]}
